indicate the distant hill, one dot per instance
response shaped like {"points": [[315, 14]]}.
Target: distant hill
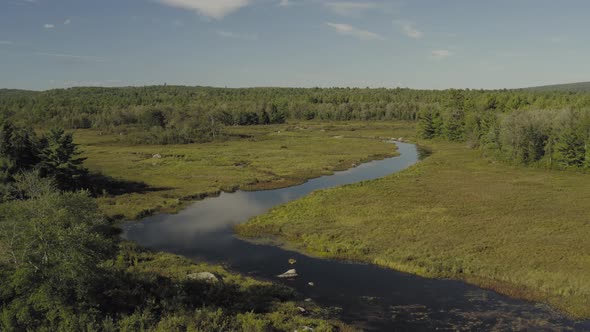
{"points": [[571, 87]]}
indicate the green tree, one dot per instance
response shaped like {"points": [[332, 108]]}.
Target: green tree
{"points": [[153, 118], [570, 149], [60, 159], [53, 246], [426, 127], [454, 125], [276, 116]]}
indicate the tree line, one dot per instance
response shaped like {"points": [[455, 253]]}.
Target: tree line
{"points": [[179, 107], [546, 138]]}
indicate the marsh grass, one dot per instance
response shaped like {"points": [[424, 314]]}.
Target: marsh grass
{"points": [[457, 214], [253, 158]]}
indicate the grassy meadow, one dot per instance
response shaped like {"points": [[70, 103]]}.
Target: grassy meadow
{"points": [[457, 214], [251, 158]]}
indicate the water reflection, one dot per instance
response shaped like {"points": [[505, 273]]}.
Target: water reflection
{"points": [[216, 216]]}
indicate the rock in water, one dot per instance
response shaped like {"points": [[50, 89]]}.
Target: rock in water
{"points": [[292, 261], [203, 276], [289, 274]]}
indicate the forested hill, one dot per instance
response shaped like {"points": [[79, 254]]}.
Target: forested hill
{"points": [[571, 87], [111, 107]]}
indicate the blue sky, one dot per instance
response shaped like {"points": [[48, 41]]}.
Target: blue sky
{"points": [[436, 44]]}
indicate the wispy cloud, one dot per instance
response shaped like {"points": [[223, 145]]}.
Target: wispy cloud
{"points": [[216, 9], [409, 29], [441, 54], [285, 3], [349, 30], [347, 8], [48, 26], [6, 42], [233, 35], [67, 21]]}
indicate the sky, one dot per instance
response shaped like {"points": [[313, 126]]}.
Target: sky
{"points": [[425, 44]]}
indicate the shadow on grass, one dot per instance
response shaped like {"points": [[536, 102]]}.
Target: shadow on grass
{"points": [[141, 282], [100, 184]]}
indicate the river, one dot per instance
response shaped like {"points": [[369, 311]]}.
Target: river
{"points": [[367, 296]]}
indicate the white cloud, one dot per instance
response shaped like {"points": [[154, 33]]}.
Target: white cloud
{"points": [[67, 21], [284, 3], [409, 29], [217, 9], [349, 8], [441, 54], [233, 35], [6, 42], [49, 26], [349, 30]]}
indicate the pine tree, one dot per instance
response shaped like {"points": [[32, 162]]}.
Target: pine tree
{"points": [[425, 124], [569, 149], [60, 160]]}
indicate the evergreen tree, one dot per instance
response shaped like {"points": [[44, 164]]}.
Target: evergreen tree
{"points": [[570, 149], [454, 125], [275, 116], [60, 160], [425, 124]]}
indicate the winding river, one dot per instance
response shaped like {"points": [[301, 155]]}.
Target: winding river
{"points": [[370, 297]]}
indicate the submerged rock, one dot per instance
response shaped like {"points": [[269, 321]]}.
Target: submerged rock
{"points": [[292, 261], [203, 276], [289, 274]]}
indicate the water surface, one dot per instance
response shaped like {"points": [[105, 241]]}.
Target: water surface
{"points": [[369, 296]]}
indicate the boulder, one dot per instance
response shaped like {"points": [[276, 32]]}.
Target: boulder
{"points": [[289, 274], [203, 276], [157, 156]]}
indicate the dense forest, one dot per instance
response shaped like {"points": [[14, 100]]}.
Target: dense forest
{"points": [[550, 128]]}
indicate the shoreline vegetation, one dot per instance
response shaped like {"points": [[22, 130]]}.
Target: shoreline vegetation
{"points": [[458, 214]]}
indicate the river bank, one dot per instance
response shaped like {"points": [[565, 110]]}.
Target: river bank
{"points": [[459, 215]]}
